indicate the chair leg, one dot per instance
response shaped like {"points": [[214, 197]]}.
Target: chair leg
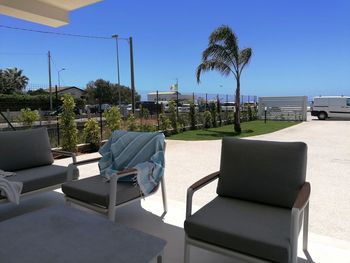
{"points": [[186, 252], [294, 235], [306, 227], [160, 258], [165, 202], [111, 213]]}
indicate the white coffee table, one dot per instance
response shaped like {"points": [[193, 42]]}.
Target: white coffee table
{"points": [[62, 234]]}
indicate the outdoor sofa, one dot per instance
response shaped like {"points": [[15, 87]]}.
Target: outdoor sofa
{"points": [[28, 154]]}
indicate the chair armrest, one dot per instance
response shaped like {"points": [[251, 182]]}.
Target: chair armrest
{"points": [[303, 196], [195, 187], [65, 153], [113, 184], [75, 165], [126, 172], [83, 162]]}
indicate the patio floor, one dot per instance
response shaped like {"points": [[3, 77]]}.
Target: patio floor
{"points": [[328, 172]]}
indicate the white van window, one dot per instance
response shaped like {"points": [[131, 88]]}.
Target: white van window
{"points": [[347, 102]]}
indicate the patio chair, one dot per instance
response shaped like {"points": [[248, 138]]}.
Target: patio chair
{"points": [[106, 196], [261, 203], [27, 154]]}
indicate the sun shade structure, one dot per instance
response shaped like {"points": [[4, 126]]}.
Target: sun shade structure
{"points": [[47, 12]]}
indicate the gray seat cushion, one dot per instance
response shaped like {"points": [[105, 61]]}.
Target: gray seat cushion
{"points": [[94, 190], [246, 227], [40, 177], [262, 171], [24, 149]]}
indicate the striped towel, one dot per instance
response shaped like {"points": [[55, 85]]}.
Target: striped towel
{"points": [[141, 150]]}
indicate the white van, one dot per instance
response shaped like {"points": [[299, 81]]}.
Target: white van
{"points": [[331, 107]]}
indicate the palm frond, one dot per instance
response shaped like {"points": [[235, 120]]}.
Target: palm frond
{"points": [[220, 53], [213, 64], [225, 36], [244, 58]]}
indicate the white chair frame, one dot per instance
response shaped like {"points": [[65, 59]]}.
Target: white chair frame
{"points": [[301, 205], [110, 211]]}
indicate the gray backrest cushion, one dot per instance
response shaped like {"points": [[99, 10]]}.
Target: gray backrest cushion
{"points": [[262, 171], [24, 149]]}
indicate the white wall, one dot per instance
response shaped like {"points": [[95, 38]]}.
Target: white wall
{"points": [[283, 108]]}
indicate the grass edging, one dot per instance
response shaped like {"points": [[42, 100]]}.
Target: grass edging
{"points": [[251, 128]]}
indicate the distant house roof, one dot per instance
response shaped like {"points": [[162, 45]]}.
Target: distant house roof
{"points": [[64, 88]]}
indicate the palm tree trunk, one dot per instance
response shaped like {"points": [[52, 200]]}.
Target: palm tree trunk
{"points": [[237, 119]]}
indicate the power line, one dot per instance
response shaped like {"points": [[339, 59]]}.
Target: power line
{"points": [[54, 33], [22, 54]]}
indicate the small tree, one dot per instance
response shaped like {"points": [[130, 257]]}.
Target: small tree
{"points": [[173, 116], [207, 119], [193, 116], [182, 122], [68, 125], [113, 118], [145, 113], [230, 118], [214, 113], [92, 133], [145, 126], [132, 125], [165, 123], [28, 117]]}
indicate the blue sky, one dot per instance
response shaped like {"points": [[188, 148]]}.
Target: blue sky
{"points": [[299, 47]]}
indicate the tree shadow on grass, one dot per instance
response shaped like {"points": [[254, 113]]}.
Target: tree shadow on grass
{"points": [[220, 134]]}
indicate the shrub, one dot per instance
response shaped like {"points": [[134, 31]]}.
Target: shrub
{"points": [[145, 113], [16, 102], [132, 125], [67, 124], [207, 119], [230, 118], [193, 116], [183, 121], [173, 116], [164, 123], [28, 117], [92, 133], [214, 114], [244, 115], [147, 127], [219, 111], [113, 118]]}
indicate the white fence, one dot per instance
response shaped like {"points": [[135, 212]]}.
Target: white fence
{"points": [[293, 108]]}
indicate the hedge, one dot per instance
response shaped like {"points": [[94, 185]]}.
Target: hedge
{"points": [[16, 102]]}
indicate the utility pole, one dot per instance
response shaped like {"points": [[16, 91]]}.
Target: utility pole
{"points": [[132, 75], [118, 73], [50, 84]]}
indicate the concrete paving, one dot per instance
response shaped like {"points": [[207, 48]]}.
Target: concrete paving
{"points": [[328, 171]]}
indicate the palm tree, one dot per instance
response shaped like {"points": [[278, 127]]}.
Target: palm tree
{"points": [[13, 79], [224, 55]]}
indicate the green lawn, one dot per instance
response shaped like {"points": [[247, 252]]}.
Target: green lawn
{"points": [[251, 128]]}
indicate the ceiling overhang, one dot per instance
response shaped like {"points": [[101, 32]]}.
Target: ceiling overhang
{"points": [[47, 12]]}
